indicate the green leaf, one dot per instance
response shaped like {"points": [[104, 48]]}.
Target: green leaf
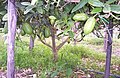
{"points": [[110, 1], [96, 10], [70, 24], [28, 16], [106, 8], [64, 17], [40, 3], [2, 7], [5, 18], [28, 9], [33, 2], [19, 5], [68, 8], [2, 12], [68, 72], [103, 19], [71, 34], [54, 74], [96, 3], [79, 5], [115, 9], [25, 3], [40, 10]]}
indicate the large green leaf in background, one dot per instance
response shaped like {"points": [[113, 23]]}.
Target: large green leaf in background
{"points": [[96, 10], [40, 10], [79, 5], [115, 9], [33, 2], [110, 1], [5, 18], [96, 3], [107, 8], [28, 9], [25, 3], [71, 34], [2, 12]]}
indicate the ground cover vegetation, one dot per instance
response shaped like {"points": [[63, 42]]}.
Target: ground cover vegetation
{"points": [[59, 20]]}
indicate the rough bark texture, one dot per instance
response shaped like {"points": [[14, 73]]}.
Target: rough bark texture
{"points": [[31, 45], [12, 19], [109, 50]]}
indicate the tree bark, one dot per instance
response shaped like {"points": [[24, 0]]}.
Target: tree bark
{"points": [[105, 40], [12, 19], [54, 47], [31, 45], [109, 49]]}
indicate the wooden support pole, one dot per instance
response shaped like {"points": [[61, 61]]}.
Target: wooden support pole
{"points": [[109, 49], [12, 20]]}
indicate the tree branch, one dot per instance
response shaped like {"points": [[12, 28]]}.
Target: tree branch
{"points": [[61, 44], [44, 42]]}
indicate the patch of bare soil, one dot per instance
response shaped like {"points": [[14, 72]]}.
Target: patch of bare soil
{"points": [[116, 52], [22, 73]]}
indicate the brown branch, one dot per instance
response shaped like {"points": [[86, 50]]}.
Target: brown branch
{"points": [[44, 42], [61, 44]]}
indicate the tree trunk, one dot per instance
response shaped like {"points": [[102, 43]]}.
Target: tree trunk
{"points": [[12, 19], [105, 41], [109, 50], [54, 47], [31, 45]]}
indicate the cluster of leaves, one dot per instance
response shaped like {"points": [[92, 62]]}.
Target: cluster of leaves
{"points": [[37, 16], [37, 13], [103, 10]]}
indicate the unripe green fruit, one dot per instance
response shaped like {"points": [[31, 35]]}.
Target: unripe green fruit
{"points": [[47, 32], [89, 25], [22, 32], [80, 17], [27, 28]]}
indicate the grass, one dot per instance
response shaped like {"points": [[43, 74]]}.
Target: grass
{"points": [[94, 41], [70, 58]]}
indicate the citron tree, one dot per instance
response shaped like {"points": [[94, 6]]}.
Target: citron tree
{"points": [[51, 19], [107, 14]]}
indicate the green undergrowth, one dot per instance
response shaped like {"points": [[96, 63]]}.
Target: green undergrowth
{"points": [[41, 58], [94, 41]]}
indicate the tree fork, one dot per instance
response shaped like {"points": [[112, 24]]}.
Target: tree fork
{"points": [[54, 47]]}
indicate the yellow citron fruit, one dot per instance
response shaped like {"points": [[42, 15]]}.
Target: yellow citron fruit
{"points": [[80, 17], [89, 25]]}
